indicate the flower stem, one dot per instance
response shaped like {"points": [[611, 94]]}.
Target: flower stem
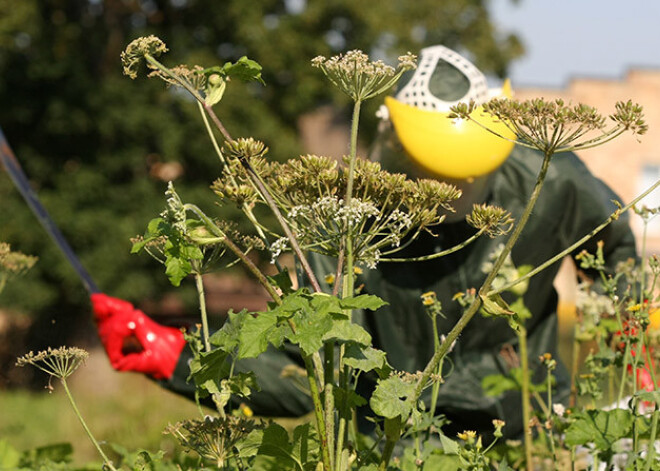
{"points": [[106, 461], [348, 285], [199, 284], [318, 414], [526, 406], [469, 313], [615, 215]]}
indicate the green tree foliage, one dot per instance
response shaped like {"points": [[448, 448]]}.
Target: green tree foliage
{"points": [[98, 147]]}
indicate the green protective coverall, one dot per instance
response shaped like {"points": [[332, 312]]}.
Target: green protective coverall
{"points": [[571, 204]]}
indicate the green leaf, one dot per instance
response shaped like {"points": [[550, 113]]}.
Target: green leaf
{"points": [[208, 370], [344, 331], [600, 427], [190, 252], [305, 447], [364, 358], [494, 305], [364, 301], [275, 443], [392, 398], [518, 306], [227, 337], [251, 444], [257, 332], [244, 69], [57, 453], [177, 269], [353, 398], [242, 384], [494, 385], [449, 446], [310, 332]]}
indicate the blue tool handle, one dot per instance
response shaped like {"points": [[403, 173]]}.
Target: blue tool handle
{"points": [[23, 185]]}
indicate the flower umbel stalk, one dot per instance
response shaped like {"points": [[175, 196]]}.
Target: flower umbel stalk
{"points": [[61, 363]]}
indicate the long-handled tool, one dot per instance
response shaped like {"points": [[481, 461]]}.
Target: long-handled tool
{"points": [[126, 334], [21, 182]]}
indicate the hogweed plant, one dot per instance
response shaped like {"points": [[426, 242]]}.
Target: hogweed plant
{"points": [[13, 264], [359, 215]]}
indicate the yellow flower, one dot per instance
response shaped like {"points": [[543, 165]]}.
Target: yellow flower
{"points": [[357, 270], [246, 411], [330, 278], [428, 298], [467, 435]]}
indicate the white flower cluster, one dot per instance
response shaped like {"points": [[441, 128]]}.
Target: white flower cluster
{"points": [[360, 78], [592, 305], [277, 247]]}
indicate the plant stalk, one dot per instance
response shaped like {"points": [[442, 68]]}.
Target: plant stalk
{"points": [[526, 406], [199, 284], [467, 316], [615, 215], [106, 461]]}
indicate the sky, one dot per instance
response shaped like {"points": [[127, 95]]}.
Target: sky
{"points": [[580, 38]]}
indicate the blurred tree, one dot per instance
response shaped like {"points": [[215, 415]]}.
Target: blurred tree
{"points": [[99, 147]]}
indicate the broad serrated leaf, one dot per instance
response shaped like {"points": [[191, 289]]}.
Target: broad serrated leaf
{"points": [[364, 358], [364, 301], [250, 445], [292, 303], [449, 446], [392, 398], [600, 427], [227, 337], [343, 331], [177, 269], [190, 252], [209, 369], [244, 69], [256, 333], [275, 443], [311, 329]]}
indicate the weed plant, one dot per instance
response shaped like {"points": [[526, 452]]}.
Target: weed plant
{"points": [[361, 215]]}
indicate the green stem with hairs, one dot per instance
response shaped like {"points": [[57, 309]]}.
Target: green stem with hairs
{"points": [[318, 414], [615, 215], [440, 254], [526, 406], [106, 461], [199, 284], [467, 316], [348, 285]]}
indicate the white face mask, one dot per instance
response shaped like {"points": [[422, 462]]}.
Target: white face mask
{"points": [[442, 79]]}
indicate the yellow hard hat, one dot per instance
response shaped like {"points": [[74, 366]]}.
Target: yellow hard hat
{"points": [[454, 149]]}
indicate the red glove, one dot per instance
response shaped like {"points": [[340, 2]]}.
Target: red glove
{"points": [[118, 322]]}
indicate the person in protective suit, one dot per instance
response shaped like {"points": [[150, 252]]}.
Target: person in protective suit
{"points": [[418, 139]]}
